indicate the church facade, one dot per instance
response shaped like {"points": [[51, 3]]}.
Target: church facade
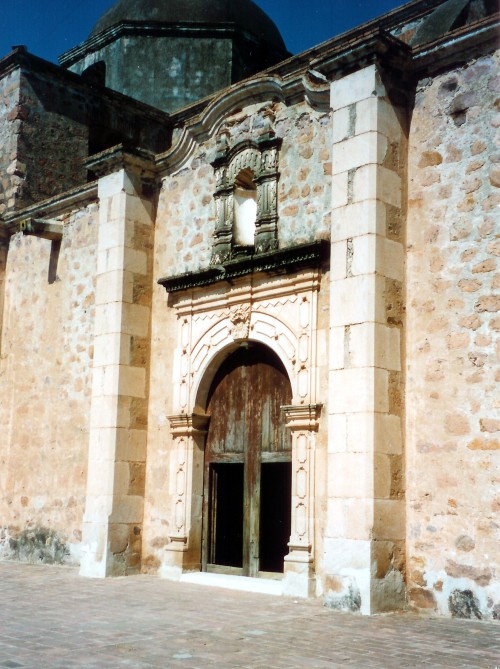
{"points": [[249, 305]]}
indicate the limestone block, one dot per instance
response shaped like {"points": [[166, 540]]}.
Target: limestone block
{"points": [[344, 555], [111, 411], [370, 147], [121, 483], [114, 286], [389, 519], [357, 300], [101, 479], [118, 538], [388, 434], [137, 210], [377, 182], [136, 261], [382, 476], [115, 183], [111, 349], [132, 381], [108, 319], [337, 347], [322, 348], [298, 579], [102, 444], [98, 507], [374, 253], [127, 509], [378, 114], [349, 518], [122, 258], [360, 218], [350, 475], [116, 209], [109, 260], [341, 124], [338, 264], [105, 381], [118, 380], [105, 413], [337, 433], [111, 234], [374, 344], [359, 390], [340, 192], [135, 320], [374, 432], [361, 432], [95, 533], [357, 86], [131, 445]]}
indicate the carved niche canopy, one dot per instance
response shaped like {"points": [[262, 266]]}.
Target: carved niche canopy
{"points": [[260, 157]]}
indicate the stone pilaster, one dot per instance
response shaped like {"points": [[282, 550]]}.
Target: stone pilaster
{"points": [[302, 421], [364, 543], [113, 517], [188, 432]]}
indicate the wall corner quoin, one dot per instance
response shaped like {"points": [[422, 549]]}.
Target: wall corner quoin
{"points": [[364, 558], [114, 507]]}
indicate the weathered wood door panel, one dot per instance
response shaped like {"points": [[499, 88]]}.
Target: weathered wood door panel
{"points": [[247, 429]]}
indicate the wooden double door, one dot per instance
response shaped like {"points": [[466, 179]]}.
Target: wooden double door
{"points": [[247, 478]]}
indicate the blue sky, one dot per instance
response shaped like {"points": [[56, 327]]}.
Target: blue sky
{"points": [[50, 27]]}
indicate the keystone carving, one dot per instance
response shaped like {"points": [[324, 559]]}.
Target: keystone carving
{"points": [[240, 318]]}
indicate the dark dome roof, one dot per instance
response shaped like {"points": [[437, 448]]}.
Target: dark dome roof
{"points": [[244, 13]]}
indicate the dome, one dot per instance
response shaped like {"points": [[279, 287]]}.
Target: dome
{"points": [[243, 13]]}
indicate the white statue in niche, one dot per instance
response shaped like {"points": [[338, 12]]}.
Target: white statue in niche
{"points": [[245, 209]]}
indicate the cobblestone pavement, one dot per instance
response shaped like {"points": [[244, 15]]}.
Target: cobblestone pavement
{"points": [[50, 618]]}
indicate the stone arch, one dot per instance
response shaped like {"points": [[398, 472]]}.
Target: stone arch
{"points": [[261, 328]]}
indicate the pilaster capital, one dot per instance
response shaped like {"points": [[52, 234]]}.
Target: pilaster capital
{"points": [[188, 424], [302, 417], [133, 160]]}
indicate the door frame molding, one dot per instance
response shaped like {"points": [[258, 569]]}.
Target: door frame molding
{"points": [[281, 313]]}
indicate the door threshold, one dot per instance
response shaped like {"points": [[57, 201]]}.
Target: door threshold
{"points": [[262, 586]]}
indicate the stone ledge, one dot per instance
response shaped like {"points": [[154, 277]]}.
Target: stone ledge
{"points": [[274, 262]]}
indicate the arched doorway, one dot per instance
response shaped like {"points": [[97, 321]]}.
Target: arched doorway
{"points": [[247, 474]]}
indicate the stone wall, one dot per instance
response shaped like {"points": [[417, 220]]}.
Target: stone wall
{"points": [[45, 388], [3, 264], [53, 138], [187, 213], [50, 122], [453, 349], [170, 72], [11, 171]]}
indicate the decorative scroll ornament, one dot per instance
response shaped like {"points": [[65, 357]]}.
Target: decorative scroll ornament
{"points": [[240, 318]]}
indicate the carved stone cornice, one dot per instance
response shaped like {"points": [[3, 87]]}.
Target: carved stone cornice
{"points": [[285, 260], [52, 207], [120, 157]]}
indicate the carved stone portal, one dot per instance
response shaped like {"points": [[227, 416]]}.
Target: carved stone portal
{"points": [[281, 313]]}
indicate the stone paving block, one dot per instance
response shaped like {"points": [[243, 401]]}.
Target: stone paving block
{"points": [[142, 622]]}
